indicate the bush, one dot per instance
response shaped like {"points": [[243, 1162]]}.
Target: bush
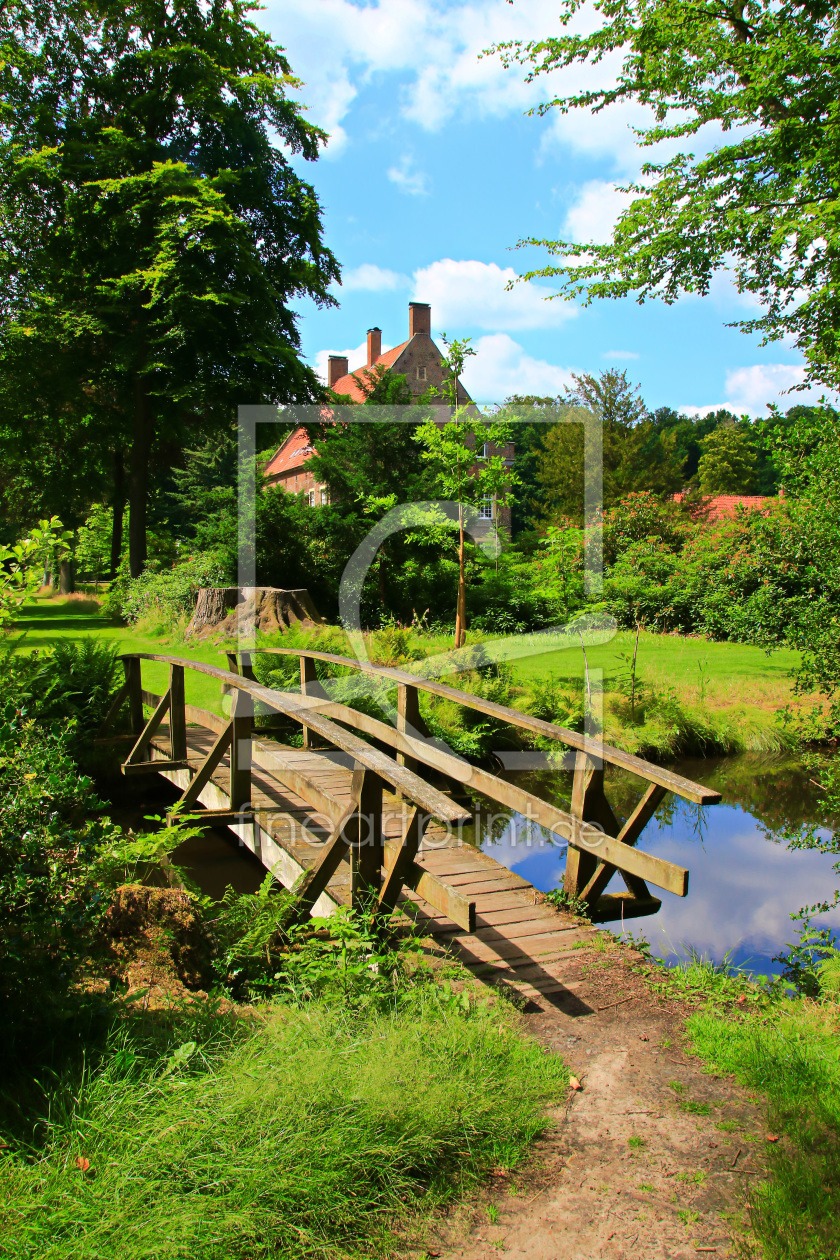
{"points": [[71, 683], [164, 594]]}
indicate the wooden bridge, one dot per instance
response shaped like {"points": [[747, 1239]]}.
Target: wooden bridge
{"points": [[378, 821]]}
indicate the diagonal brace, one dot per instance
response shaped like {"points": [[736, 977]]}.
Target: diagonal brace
{"points": [[313, 882], [148, 733], [409, 844], [205, 771]]}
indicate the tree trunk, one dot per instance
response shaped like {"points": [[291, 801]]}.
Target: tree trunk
{"points": [[461, 614], [138, 480], [119, 512], [66, 580]]}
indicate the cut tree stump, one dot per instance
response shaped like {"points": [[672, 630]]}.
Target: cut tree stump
{"points": [[225, 610]]}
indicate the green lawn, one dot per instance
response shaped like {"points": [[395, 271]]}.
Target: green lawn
{"points": [[48, 622], [722, 673]]}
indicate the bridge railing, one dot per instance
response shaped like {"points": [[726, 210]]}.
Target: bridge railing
{"points": [[598, 844], [379, 868]]}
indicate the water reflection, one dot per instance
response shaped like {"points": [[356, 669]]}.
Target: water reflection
{"points": [[744, 881]]}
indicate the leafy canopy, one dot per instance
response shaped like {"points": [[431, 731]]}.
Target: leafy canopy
{"points": [[764, 201]]}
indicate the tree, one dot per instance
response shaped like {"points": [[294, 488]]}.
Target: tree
{"points": [[459, 452], [154, 232], [764, 201], [729, 462], [636, 456]]}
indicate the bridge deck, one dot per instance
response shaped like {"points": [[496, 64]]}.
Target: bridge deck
{"points": [[518, 941]]}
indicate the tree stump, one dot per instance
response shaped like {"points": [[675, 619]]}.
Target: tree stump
{"points": [[228, 610]]}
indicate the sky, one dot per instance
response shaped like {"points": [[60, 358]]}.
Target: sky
{"points": [[434, 171]]}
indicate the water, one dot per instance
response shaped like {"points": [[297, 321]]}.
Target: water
{"points": [[744, 882]]}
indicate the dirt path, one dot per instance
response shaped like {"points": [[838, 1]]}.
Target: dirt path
{"points": [[652, 1158]]}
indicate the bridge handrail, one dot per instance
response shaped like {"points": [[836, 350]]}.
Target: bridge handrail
{"points": [[595, 748], [402, 779]]}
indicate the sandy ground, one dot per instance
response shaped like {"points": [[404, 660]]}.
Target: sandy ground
{"points": [[630, 1166]]}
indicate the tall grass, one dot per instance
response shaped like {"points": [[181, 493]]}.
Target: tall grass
{"points": [[313, 1137], [792, 1056]]}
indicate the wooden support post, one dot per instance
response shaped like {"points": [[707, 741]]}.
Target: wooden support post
{"points": [[177, 714], [242, 729], [408, 719], [366, 876], [580, 864], [308, 685], [133, 681]]}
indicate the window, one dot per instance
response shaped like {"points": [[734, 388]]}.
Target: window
{"points": [[485, 508], [485, 451], [421, 374], [311, 497], [325, 496]]}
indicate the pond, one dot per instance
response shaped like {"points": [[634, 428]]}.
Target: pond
{"points": [[744, 882]]}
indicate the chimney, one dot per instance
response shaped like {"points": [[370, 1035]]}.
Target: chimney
{"points": [[374, 345], [419, 319], [338, 367]]}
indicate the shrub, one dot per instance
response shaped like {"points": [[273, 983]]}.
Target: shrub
{"points": [[165, 594]]}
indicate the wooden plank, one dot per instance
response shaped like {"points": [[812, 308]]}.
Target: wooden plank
{"points": [[130, 768], [448, 901], [301, 783], [676, 783], [242, 723]]}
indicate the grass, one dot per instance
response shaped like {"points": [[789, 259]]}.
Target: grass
{"points": [[316, 1133], [791, 1055]]}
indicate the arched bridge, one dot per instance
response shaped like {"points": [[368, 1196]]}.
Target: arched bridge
{"points": [[365, 812]]}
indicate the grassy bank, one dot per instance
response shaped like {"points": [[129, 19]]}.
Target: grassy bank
{"points": [[302, 1132], [690, 696], [786, 1051]]}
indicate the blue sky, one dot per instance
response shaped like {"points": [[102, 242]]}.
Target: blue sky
{"points": [[432, 174]]}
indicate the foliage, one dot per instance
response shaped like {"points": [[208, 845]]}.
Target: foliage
{"points": [[165, 593], [156, 231], [634, 454], [729, 462], [51, 898], [71, 684], [19, 574], [762, 202], [319, 1129]]}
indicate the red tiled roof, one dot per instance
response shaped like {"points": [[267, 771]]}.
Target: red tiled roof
{"points": [[724, 507], [294, 452], [351, 383]]}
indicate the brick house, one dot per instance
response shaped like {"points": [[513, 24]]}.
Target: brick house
{"points": [[418, 359]]}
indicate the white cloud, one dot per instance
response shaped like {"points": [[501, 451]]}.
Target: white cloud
{"points": [[356, 357], [373, 279], [619, 354], [748, 390], [501, 368], [593, 213], [468, 293], [408, 179]]}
